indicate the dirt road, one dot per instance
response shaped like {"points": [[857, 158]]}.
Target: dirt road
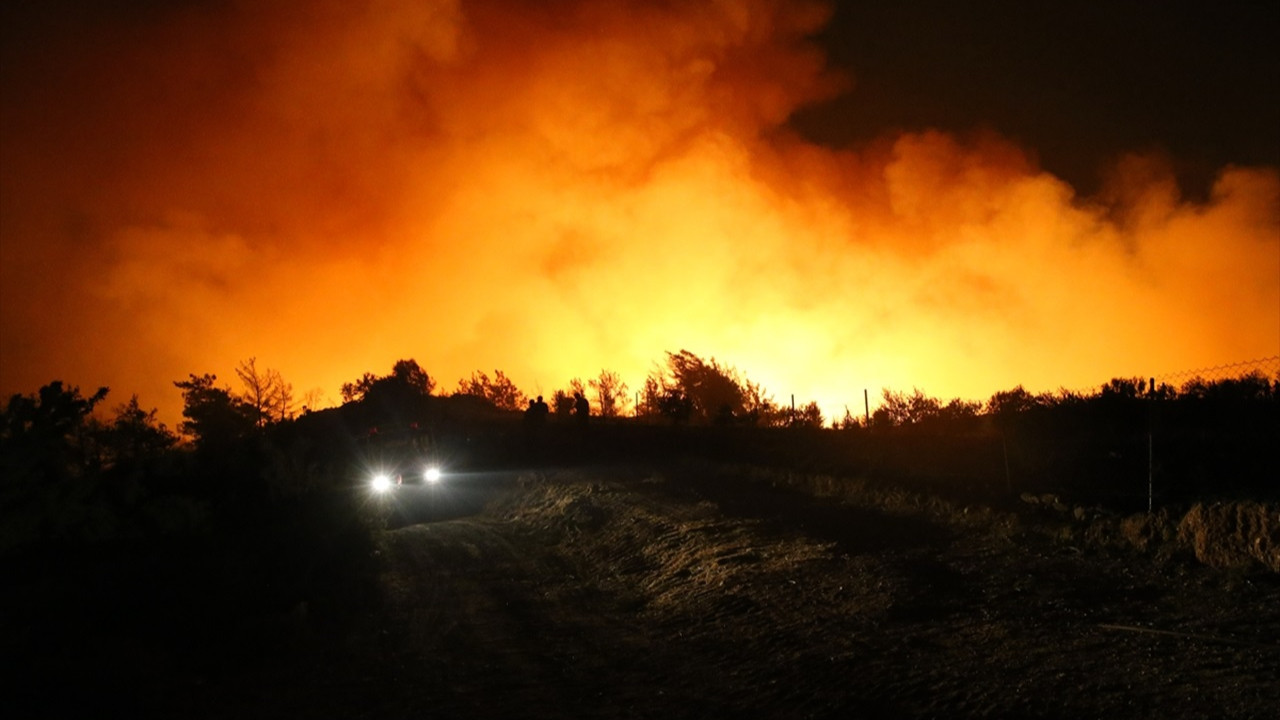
{"points": [[705, 594]]}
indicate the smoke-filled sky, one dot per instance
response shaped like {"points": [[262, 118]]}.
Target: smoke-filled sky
{"points": [[828, 198]]}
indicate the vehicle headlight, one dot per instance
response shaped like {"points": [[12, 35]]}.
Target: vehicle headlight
{"points": [[381, 483], [431, 475]]}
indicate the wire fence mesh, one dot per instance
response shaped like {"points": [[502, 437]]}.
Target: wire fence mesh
{"points": [[1268, 367]]}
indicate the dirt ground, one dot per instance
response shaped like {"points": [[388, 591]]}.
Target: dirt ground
{"points": [[706, 593]]}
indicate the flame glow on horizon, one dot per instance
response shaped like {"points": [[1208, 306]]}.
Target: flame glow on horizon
{"points": [[552, 189]]}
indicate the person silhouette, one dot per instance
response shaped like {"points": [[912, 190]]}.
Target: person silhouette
{"points": [[535, 420], [581, 408]]}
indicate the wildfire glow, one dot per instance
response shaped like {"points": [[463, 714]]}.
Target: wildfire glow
{"points": [[553, 189]]}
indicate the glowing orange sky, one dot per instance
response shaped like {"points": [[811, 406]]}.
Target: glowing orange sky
{"points": [[555, 189]]}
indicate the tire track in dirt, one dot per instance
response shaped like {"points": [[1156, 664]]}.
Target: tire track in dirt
{"points": [[503, 627]]}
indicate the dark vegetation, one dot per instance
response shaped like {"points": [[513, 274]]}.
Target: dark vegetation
{"points": [[210, 539]]}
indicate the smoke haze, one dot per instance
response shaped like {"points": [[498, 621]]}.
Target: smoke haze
{"points": [[555, 188]]}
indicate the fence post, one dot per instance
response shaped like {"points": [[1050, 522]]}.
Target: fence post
{"points": [[1151, 472], [866, 406], [1008, 479], [1152, 404]]}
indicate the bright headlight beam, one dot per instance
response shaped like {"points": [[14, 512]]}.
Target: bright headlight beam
{"points": [[431, 475], [381, 483]]}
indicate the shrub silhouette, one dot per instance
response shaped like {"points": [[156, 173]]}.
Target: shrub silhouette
{"points": [[704, 392], [215, 417], [499, 390]]}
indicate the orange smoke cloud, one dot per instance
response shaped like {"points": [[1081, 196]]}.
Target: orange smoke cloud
{"points": [[555, 188]]}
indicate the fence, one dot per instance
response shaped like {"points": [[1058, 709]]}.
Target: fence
{"points": [[1268, 367], [1189, 446], [1133, 442]]}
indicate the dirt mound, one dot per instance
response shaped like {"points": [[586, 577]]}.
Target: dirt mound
{"points": [[667, 555], [1234, 534]]}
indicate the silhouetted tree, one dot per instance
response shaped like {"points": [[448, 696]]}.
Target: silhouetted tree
{"points": [[49, 466], [562, 400], [902, 409], [674, 404], [313, 399], [1253, 386], [647, 402], [411, 375], [809, 416], [406, 378], [266, 392], [758, 407], [610, 393], [45, 436], [135, 434], [397, 398], [137, 467], [1017, 400], [215, 417], [499, 390], [958, 410], [1065, 398], [356, 391], [704, 391], [708, 386], [1126, 388], [562, 404]]}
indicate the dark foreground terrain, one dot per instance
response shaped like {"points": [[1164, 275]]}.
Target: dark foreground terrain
{"points": [[697, 593]]}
